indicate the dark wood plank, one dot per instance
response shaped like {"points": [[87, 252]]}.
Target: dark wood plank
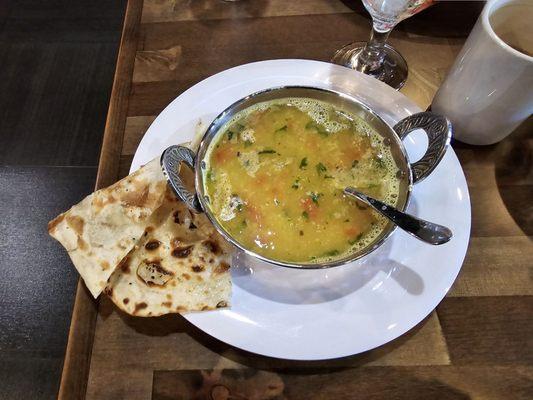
{"points": [[183, 10], [492, 216], [391, 383], [125, 164], [496, 266], [221, 34], [488, 330], [226, 43], [77, 358], [29, 376], [38, 281], [120, 365], [53, 102], [64, 21], [509, 162], [118, 104]]}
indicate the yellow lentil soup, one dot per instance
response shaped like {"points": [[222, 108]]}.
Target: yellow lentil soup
{"points": [[276, 171]]}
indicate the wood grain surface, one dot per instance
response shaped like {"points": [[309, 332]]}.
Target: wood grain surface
{"points": [[476, 345]]}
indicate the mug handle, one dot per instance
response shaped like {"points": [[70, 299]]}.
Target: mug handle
{"points": [[171, 160], [439, 132]]}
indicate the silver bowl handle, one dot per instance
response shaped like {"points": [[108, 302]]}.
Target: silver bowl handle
{"points": [[439, 132], [171, 160]]}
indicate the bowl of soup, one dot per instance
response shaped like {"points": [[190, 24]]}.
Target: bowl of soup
{"points": [[271, 169]]}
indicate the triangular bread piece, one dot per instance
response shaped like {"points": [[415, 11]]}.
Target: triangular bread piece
{"points": [[101, 230], [181, 264]]}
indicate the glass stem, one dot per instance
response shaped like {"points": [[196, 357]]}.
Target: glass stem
{"points": [[372, 55]]}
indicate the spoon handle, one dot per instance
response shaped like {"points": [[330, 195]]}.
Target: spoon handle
{"points": [[424, 230]]}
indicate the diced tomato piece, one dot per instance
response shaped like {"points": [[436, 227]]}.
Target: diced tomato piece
{"points": [[310, 207], [261, 179], [351, 232], [222, 154], [254, 214]]}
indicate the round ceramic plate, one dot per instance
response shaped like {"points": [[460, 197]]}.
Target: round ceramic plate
{"points": [[321, 314]]}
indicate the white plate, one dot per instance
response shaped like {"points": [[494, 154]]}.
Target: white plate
{"points": [[321, 314]]}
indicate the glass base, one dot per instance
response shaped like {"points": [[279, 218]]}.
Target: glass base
{"points": [[393, 71]]}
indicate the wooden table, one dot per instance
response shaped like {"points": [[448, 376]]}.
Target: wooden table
{"points": [[477, 344]]}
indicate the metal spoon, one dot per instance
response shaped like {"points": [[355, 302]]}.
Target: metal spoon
{"points": [[424, 230]]}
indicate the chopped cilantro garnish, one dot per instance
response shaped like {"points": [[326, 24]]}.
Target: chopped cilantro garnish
{"points": [[282, 129], [379, 162], [357, 238], [321, 130], [230, 135], [247, 143], [320, 168], [315, 196], [303, 163], [354, 163], [332, 253], [267, 151], [305, 214], [296, 184]]}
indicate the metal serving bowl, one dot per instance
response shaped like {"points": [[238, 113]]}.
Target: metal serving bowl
{"points": [[437, 128]]}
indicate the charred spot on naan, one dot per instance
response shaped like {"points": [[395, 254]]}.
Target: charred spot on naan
{"points": [[152, 273], [104, 264], [76, 223], [135, 198], [124, 265], [52, 225], [221, 268], [197, 268], [152, 245], [222, 304], [176, 216], [139, 307], [182, 251], [212, 245], [82, 244]]}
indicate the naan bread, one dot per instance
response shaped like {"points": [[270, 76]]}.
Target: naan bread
{"points": [[181, 264], [101, 230]]}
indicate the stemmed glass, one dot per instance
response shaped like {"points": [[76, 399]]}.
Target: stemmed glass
{"points": [[376, 57]]}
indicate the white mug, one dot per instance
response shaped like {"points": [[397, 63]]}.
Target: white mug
{"points": [[489, 90]]}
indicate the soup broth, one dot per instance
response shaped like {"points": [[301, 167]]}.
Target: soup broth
{"points": [[275, 175]]}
